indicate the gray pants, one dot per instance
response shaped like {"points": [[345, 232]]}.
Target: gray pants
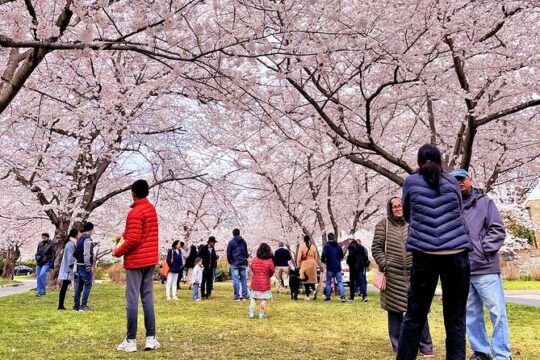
{"points": [[140, 281]]}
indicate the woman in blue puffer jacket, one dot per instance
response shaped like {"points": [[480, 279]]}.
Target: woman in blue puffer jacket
{"points": [[439, 241]]}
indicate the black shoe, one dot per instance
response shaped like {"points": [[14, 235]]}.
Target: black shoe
{"points": [[364, 298], [61, 308], [327, 299], [343, 300], [350, 299], [480, 356], [76, 308], [84, 308]]}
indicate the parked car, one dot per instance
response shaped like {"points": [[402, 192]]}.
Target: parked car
{"points": [[345, 273], [23, 270]]}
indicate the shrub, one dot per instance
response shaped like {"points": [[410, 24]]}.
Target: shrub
{"points": [[511, 272], [99, 274], [29, 263], [535, 272], [116, 273], [222, 271], [525, 277]]}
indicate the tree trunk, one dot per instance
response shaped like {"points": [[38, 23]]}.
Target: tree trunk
{"points": [[60, 234], [12, 255]]}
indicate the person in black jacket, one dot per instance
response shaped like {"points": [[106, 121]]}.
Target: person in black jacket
{"points": [[209, 257], [45, 254], [358, 261], [281, 259]]}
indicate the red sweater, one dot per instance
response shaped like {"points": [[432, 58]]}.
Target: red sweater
{"points": [[262, 272], [141, 242]]}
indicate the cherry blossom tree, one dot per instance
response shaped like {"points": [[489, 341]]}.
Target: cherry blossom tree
{"points": [[459, 75]]}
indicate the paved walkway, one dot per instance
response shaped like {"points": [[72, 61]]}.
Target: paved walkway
{"points": [[12, 290], [521, 297]]}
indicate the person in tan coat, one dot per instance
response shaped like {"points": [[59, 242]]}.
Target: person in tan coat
{"points": [[307, 260], [389, 252]]}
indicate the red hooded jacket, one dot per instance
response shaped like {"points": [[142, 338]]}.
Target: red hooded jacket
{"points": [[262, 272], [141, 241]]}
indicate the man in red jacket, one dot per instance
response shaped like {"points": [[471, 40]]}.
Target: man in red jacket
{"points": [[140, 251]]}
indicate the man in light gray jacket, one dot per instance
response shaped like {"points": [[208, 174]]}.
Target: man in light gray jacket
{"points": [[487, 233]]}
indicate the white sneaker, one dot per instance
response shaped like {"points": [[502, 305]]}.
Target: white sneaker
{"points": [[175, 298], [168, 298], [127, 346], [307, 298], [151, 343]]}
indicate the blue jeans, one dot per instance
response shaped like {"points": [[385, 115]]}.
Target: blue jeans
{"points": [[488, 290], [84, 285], [337, 275], [195, 291], [41, 274], [239, 276]]}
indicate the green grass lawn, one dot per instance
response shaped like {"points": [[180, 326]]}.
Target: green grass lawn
{"points": [[521, 285], [32, 328], [25, 277], [4, 282]]}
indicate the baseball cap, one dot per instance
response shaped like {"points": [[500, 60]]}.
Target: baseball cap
{"points": [[462, 173]]}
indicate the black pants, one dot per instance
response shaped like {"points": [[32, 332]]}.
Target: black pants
{"points": [[180, 275], [308, 288], [356, 283], [395, 319], [207, 282], [454, 271], [63, 290]]}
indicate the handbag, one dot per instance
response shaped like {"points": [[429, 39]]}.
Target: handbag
{"points": [[379, 279], [165, 268]]}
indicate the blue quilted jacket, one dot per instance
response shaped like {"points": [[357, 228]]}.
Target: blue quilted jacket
{"points": [[435, 220]]}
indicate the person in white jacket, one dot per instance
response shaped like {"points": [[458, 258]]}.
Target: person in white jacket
{"points": [[196, 277]]}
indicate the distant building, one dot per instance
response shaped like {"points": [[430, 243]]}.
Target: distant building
{"points": [[533, 205]]}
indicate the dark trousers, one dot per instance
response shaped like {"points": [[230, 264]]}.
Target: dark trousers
{"points": [[308, 288], [62, 296], [454, 272], [358, 281], [180, 275], [207, 282], [140, 282], [394, 326]]}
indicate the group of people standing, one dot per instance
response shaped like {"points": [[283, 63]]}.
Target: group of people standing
{"points": [[138, 245], [442, 228], [197, 267]]}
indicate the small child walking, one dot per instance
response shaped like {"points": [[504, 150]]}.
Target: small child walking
{"points": [[196, 278], [262, 269]]}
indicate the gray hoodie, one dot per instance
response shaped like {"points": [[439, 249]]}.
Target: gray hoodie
{"points": [[487, 233]]}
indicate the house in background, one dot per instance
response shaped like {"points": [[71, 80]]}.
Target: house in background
{"points": [[533, 206]]}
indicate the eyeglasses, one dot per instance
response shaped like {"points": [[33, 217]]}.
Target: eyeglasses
{"points": [[397, 207]]}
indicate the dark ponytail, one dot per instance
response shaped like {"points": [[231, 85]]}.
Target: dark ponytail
{"points": [[430, 165], [72, 234]]}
